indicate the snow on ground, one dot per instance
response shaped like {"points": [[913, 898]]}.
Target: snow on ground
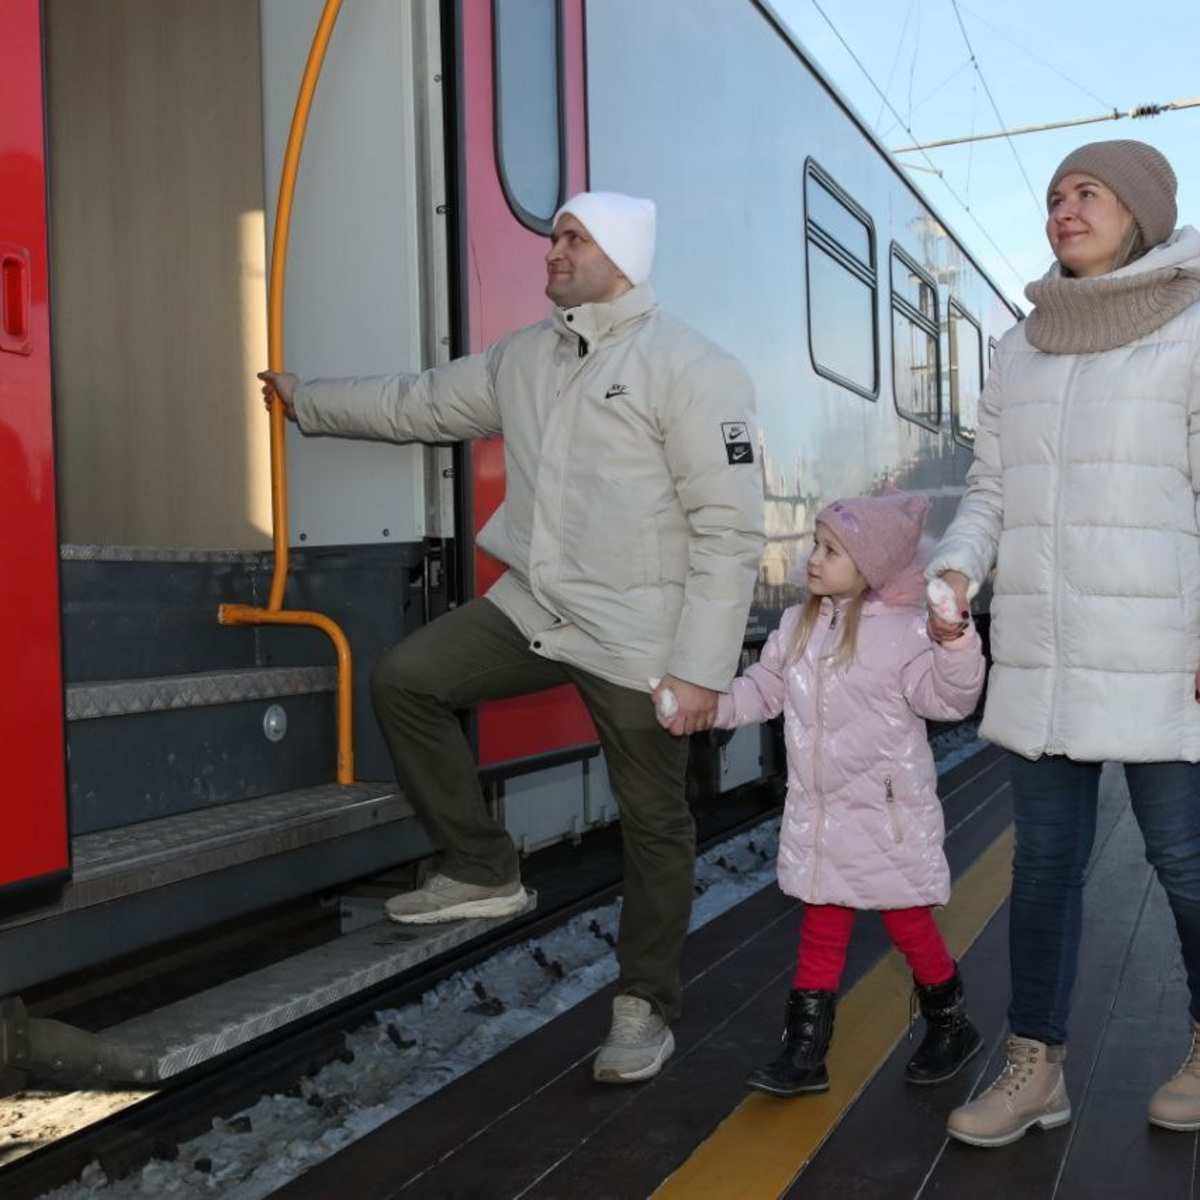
{"points": [[411, 1052]]}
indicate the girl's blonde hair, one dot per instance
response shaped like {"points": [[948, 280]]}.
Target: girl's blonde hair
{"points": [[847, 644]]}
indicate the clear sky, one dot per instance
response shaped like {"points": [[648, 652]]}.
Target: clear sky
{"points": [[1041, 62]]}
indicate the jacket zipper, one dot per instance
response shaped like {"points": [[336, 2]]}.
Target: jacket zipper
{"points": [[819, 660], [583, 347], [1056, 594], [893, 820]]}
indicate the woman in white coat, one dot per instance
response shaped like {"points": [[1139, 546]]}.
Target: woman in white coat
{"points": [[1083, 497]]}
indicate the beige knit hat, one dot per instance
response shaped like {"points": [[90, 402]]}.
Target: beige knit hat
{"points": [[1139, 175]]}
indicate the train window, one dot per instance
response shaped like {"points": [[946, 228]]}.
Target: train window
{"points": [[966, 372], [836, 218], [842, 321], [916, 372], [530, 145]]}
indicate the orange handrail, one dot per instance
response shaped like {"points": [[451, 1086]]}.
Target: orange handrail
{"points": [[244, 614], [273, 614]]}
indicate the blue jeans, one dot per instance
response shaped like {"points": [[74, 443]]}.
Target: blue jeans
{"points": [[1054, 813]]}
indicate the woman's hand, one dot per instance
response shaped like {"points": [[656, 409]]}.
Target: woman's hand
{"points": [[941, 629]]}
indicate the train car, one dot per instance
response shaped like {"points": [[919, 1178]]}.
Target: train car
{"points": [[200, 779]]}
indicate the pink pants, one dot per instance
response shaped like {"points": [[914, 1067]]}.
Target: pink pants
{"points": [[825, 935]]}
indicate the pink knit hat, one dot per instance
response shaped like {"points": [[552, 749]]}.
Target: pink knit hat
{"points": [[881, 533]]}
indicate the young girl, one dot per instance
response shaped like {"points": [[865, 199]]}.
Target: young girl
{"points": [[855, 673]]}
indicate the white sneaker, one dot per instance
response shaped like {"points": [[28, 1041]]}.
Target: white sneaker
{"points": [[638, 1043], [441, 898]]}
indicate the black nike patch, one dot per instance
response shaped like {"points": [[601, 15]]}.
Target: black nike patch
{"points": [[738, 447]]}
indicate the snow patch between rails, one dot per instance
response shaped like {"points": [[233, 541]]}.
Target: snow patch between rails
{"points": [[411, 1052]]}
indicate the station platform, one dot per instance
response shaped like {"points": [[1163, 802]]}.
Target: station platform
{"points": [[532, 1123]]}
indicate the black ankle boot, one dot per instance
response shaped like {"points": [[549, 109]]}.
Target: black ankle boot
{"points": [[800, 1066], [950, 1039]]}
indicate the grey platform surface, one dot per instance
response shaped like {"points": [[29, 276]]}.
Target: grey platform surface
{"points": [[151, 854], [200, 1027]]}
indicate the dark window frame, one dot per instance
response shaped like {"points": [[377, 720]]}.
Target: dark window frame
{"points": [[955, 307], [539, 224], [865, 273], [930, 326]]}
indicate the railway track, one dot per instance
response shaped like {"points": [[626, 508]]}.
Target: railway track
{"points": [[133, 1129], [52, 1137]]}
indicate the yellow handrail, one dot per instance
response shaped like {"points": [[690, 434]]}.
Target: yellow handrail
{"points": [[273, 614]]}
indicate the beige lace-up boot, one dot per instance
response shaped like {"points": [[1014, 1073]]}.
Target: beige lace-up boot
{"points": [[1029, 1091], [1176, 1105]]}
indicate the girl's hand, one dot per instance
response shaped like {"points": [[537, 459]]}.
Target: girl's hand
{"points": [[947, 624], [695, 706], [666, 703]]}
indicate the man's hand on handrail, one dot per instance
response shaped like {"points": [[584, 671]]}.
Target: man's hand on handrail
{"points": [[283, 385]]}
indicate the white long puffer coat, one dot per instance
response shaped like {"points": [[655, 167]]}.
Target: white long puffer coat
{"points": [[1083, 495], [862, 824]]}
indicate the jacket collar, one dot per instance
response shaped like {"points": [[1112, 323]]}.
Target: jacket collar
{"points": [[874, 605], [1089, 316], [595, 323]]}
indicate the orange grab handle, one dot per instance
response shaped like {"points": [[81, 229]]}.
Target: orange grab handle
{"points": [[274, 613], [244, 614]]}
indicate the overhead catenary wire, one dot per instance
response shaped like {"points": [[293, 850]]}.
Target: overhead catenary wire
{"points": [[930, 95], [887, 87], [905, 126], [1037, 204], [1140, 112], [1052, 67]]}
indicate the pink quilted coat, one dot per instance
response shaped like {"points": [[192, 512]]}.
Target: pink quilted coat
{"points": [[862, 824]]}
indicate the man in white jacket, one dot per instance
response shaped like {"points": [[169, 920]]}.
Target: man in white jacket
{"points": [[632, 529]]}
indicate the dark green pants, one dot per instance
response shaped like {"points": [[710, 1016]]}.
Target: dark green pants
{"points": [[475, 653]]}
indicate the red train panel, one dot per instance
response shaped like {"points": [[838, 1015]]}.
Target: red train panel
{"points": [[507, 279], [34, 845]]}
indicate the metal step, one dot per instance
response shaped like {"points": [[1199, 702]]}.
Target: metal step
{"points": [[153, 854], [147, 614], [180, 1035], [126, 697], [145, 749], [156, 881], [141, 611]]}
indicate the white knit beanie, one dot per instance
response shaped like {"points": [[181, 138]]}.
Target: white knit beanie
{"points": [[622, 226]]}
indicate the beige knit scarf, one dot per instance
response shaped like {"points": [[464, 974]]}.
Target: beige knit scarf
{"points": [[1083, 316]]}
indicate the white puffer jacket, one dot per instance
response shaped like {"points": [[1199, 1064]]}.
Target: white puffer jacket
{"points": [[1083, 495]]}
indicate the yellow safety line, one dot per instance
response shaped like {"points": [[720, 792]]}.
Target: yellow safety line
{"points": [[760, 1148]]}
